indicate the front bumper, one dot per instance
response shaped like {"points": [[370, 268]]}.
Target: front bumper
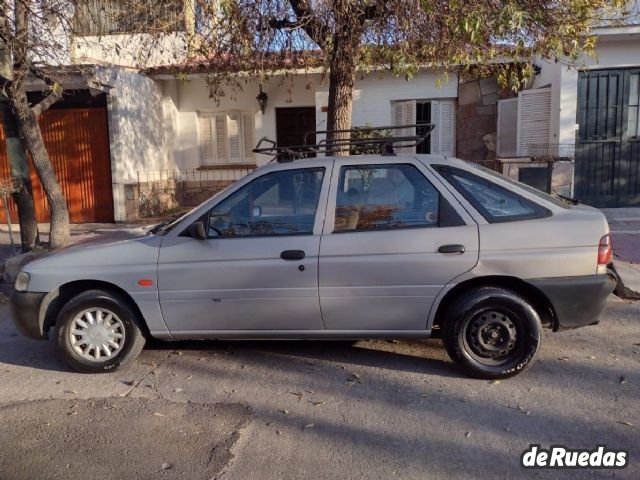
{"points": [[577, 301], [25, 310]]}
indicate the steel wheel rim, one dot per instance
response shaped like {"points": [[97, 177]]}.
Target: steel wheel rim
{"points": [[97, 334], [492, 336]]}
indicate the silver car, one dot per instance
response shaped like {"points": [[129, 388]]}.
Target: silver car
{"points": [[358, 247]]}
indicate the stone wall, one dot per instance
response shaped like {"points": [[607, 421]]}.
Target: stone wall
{"points": [[477, 117]]}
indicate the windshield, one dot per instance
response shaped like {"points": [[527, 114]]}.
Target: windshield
{"points": [[554, 198]]}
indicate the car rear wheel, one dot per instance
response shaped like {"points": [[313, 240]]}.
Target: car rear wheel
{"points": [[97, 331], [492, 332]]}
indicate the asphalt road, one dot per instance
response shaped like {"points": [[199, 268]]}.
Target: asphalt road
{"points": [[321, 410]]}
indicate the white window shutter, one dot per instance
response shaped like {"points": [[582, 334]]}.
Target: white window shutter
{"points": [[233, 131], [534, 121], [248, 135], [222, 139], [443, 136], [447, 129], [404, 113], [207, 140], [507, 134], [435, 133]]}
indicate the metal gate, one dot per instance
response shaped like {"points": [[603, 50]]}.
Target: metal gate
{"points": [[77, 141], [607, 169]]}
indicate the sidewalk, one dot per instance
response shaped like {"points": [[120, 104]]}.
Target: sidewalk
{"points": [[625, 233]]}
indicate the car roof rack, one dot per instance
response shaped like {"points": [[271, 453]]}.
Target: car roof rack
{"points": [[390, 138]]}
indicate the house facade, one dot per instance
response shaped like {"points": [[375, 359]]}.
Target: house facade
{"points": [[588, 116], [165, 136]]}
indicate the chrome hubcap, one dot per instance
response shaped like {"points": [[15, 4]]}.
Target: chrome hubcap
{"points": [[97, 334]]}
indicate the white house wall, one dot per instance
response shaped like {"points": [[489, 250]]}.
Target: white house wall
{"points": [[193, 97], [136, 50], [136, 129], [610, 53], [373, 95]]}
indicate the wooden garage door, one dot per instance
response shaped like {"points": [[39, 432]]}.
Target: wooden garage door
{"points": [[78, 146]]}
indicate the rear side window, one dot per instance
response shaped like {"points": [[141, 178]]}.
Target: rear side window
{"points": [[385, 197], [495, 203]]}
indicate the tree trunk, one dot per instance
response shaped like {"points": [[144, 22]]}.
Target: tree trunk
{"points": [[23, 194], [342, 74], [32, 137], [341, 81]]}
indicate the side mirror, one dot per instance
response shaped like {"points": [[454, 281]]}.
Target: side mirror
{"points": [[196, 230]]}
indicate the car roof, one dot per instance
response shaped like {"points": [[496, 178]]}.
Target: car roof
{"points": [[401, 158]]}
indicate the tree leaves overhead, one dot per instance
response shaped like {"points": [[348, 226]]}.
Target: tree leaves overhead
{"points": [[400, 35]]}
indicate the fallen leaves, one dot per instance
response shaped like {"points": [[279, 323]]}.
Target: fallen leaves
{"points": [[625, 423], [623, 379], [309, 425], [318, 403]]}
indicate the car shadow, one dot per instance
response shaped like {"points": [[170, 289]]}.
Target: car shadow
{"points": [[419, 356], [410, 356]]}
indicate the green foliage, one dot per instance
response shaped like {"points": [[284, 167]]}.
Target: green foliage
{"points": [[401, 36], [365, 133]]}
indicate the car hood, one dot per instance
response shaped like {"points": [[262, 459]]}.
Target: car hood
{"points": [[128, 246]]}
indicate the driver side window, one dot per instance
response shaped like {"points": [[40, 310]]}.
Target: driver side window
{"points": [[278, 203]]}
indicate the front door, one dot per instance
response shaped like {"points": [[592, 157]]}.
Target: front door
{"points": [[608, 140], [258, 268], [380, 268], [292, 124]]}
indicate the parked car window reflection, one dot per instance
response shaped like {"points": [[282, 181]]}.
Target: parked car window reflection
{"points": [[384, 197], [278, 203], [495, 203]]}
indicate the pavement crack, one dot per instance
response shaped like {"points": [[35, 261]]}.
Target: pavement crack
{"points": [[145, 376]]}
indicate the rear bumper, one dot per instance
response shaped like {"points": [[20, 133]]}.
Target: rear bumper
{"points": [[577, 301], [25, 310]]}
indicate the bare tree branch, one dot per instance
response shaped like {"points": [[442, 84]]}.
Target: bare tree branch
{"points": [[310, 23], [54, 96]]}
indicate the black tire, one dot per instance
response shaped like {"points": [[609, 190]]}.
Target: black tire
{"points": [[132, 338], [492, 332]]}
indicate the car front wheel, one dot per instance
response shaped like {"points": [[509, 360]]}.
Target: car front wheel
{"points": [[97, 332], [492, 332]]}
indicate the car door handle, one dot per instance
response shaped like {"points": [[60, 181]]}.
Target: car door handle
{"points": [[292, 255], [451, 249]]}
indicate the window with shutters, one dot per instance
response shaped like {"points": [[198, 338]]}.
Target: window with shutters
{"points": [[439, 112], [227, 137], [534, 121]]}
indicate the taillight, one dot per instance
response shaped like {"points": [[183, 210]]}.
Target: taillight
{"points": [[605, 250]]}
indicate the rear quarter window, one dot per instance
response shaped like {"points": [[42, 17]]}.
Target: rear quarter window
{"points": [[494, 202]]}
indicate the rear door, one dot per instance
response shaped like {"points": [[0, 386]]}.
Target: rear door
{"points": [[393, 238]]}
